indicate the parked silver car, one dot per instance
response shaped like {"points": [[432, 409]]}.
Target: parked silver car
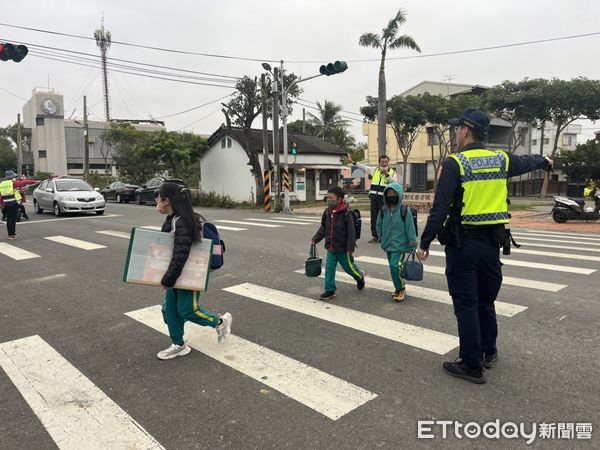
{"points": [[67, 195]]}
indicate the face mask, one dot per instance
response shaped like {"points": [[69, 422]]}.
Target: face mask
{"points": [[392, 200], [331, 204]]}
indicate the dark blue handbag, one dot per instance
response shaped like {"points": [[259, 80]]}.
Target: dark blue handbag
{"points": [[412, 269]]}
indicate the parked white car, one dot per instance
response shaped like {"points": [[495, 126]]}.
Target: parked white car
{"points": [[67, 195]]}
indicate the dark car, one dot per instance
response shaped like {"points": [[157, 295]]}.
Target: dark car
{"points": [[149, 191], [120, 192]]}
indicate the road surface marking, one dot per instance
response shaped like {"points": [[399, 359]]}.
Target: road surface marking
{"points": [[551, 242], [105, 216], [84, 245], [74, 411], [434, 295], [324, 393], [236, 222], [557, 236], [222, 227], [559, 233], [119, 234], [423, 338], [16, 253], [152, 227], [290, 222], [512, 281]]}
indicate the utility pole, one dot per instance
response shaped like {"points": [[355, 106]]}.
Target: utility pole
{"points": [[86, 142], [19, 147], [303, 120], [266, 171], [286, 149], [103, 41], [276, 147]]}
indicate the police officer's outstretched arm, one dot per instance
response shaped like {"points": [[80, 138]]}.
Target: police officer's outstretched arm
{"points": [[521, 164], [447, 187]]}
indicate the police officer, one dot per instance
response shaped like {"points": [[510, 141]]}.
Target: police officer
{"points": [[381, 175], [10, 202], [469, 214]]}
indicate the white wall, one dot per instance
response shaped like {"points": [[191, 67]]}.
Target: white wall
{"points": [[226, 171]]}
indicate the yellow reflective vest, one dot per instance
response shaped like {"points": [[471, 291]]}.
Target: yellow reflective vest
{"points": [[7, 191], [484, 175], [380, 182]]}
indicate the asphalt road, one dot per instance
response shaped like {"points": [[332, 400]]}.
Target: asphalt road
{"points": [[362, 388]]}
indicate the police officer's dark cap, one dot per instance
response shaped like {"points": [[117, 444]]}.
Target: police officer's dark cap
{"points": [[473, 119]]}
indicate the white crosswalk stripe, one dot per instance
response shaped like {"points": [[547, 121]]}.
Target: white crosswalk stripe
{"points": [[237, 222], [423, 338], [413, 290], [520, 282], [524, 251], [560, 233], [152, 227], [16, 253], [551, 242], [565, 238], [324, 393], [74, 411], [77, 243], [119, 234], [526, 243], [226, 228], [534, 265], [289, 222]]}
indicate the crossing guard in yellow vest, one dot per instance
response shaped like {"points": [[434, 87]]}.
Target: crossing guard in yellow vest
{"points": [[10, 202], [469, 214]]}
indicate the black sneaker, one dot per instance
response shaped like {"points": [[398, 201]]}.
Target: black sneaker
{"points": [[490, 361], [360, 284], [327, 295], [459, 370]]}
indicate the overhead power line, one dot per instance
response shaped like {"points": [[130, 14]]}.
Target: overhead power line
{"points": [[197, 107]]}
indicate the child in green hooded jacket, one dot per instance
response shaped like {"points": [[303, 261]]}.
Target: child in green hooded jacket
{"points": [[396, 236]]}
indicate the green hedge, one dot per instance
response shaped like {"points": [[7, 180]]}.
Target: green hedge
{"points": [[213, 200]]}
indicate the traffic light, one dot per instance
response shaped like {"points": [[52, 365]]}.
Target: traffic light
{"points": [[14, 52], [333, 68], [294, 149]]}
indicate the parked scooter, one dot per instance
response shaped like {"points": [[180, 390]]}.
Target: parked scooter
{"points": [[567, 209]]}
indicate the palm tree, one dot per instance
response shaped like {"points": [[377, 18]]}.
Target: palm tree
{"points": [[388, 40], [327, 119]]}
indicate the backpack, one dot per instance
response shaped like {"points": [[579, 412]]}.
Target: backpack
{"points": [[209, 231], [403, 212], [357, 222]]}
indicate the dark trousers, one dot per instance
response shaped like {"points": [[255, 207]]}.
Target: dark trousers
{"points": [[23, 211], [376, 205], [11, 218], [474, 277]]}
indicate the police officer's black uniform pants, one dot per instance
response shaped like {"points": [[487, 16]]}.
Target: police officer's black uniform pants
{"points": [[11, 218], [474, 277], [376, 205]]}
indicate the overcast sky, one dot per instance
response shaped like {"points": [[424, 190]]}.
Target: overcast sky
{"points": [[309, 30]]}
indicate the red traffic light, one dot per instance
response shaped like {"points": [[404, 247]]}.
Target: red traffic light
{"points": [[14, 52]]}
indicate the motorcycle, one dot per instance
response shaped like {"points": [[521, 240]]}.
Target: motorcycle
{"points": [[568, 209]]}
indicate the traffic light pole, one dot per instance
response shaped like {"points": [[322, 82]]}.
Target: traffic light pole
{"points": [[284, 94]]}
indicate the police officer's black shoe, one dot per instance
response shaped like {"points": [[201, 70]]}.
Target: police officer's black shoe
{"points": [[490, 361], [459, 369]]}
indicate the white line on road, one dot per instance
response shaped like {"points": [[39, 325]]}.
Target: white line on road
{"points": [[105, 216], [512, 281], [423, 338], [557, 236], [152, 227], [16, 253], [560, 233], [236, 222], [434, 295], [84, 245], [74, 411], [551, 242], [57, 276], [534, 265], [526, 243], [552, 254], [290, 222], [222, 227], [297, 219], [119, 234], [324, 393]]}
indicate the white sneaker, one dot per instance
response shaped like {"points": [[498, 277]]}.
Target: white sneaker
{"points": [[173, 351], [224, 330]]}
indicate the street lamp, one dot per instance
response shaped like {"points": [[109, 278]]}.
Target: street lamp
{"points": [[267, 67]]}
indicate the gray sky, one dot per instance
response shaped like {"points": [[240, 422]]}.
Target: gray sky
{"points": [[312, 30]]}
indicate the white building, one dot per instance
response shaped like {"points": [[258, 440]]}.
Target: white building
{"points": [[224, 166], [567, 141], [56, 144]]}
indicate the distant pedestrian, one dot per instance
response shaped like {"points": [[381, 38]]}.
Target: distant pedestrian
{"points": [[337, 227], [182, 305], [397, 235]]}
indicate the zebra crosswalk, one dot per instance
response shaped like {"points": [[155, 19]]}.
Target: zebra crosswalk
{"points": [[87, 415]]}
